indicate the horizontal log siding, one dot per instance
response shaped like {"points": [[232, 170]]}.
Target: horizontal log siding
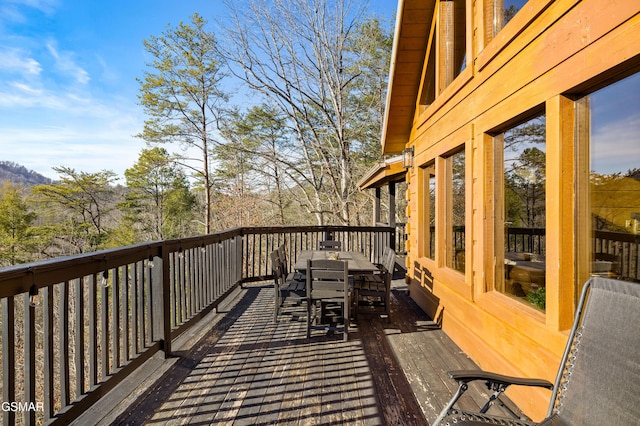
{"points": [[98, 316]]}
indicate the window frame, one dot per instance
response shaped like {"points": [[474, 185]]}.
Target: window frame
{"points": [[497, 281], [448, 201]]}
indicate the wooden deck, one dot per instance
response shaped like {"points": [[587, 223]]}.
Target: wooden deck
{"points": [[241, 368]]}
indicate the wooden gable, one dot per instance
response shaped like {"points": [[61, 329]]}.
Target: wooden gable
{"points": [[410, 43]]}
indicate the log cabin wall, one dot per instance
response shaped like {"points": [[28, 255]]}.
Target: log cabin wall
{"points": [[462, 88]]}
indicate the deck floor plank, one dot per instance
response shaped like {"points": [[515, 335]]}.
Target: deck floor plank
{"points": [[248, 369]]}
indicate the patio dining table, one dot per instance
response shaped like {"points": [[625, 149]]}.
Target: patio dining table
{"points": [[357, 263]]}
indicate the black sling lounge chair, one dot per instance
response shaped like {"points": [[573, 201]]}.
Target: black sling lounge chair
{"points": [[599, 379]]}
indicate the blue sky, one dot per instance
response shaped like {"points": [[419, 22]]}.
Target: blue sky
{"points": [[68, 69], [68, 90]]}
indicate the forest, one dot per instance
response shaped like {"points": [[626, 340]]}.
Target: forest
{"points": [[312, 77]]}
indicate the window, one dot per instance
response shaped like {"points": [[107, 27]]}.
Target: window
{"points": [[452, 47], [521, 211], [613, 195], [446, 49], [429, 209], [498, 13], [455, 170]]}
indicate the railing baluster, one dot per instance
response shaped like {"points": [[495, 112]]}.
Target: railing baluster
{"points": [[79, 337], [172, 289], [139, 289], [193, 282], [104, 322], [29, 358], [153, 301], [215, 270], [146, 306], [210, 274], [126, 325], [193, 285], [49, 380], [135, 317], [201, 268], [181, 278], [8, 358], [93, 335], [63, 326], [115, 315]]}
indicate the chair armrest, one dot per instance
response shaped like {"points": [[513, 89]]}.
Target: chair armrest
{"points": [[466, 376], [497, 383]]}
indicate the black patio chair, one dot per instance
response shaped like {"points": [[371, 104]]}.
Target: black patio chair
{"points": [[328, 290], [285, 287], [375, 289], [599, 379]]}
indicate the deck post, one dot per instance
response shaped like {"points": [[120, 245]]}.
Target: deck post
{"points": [[238, 259], [376, 207], [165, 308], [392, 204]]}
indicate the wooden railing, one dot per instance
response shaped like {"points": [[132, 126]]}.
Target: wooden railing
{"points": [[528, 240], [73, 328], [401, 238], [623, 250]]}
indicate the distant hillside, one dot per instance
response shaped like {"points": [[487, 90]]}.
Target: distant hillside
{"points": [[19, 174]]}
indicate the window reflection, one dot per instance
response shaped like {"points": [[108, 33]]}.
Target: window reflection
{"points": [[520, 237], [432, 213], [429, 208], [453, 48], [456, 211], [500, 12], [614, 180]]}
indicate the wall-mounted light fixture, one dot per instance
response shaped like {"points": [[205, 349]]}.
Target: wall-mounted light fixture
{"points": [[407, 157], [33, 295], [33, 290]]}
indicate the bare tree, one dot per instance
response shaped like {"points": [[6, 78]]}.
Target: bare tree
{"points": [[257, 144], [300, 56]]}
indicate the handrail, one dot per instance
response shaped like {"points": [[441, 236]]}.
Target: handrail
{"points": [[101, 315]]}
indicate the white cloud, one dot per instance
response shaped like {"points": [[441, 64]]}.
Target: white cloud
{"points": [[22, 95], [13, 11], [65, 62], [46, 6], [25, 89], [616, 145], [15, 60], [85, 144]]}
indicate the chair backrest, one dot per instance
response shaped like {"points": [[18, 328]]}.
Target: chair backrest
{"points": [[390, 261], [276, 267], [599, 379], [282, 254], [330, 245], [327, 278], [385, 255]]}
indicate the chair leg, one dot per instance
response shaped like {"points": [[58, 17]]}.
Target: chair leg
{"points": [[346, 315], [387, 305], [354, 304], [276, 304], [308, 318]]}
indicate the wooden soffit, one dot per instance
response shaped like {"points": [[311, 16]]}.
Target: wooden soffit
{"points": [[390, 170], [413, 23]]}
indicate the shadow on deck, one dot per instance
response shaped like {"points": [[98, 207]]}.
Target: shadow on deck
{"points": [[241, 368]]}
